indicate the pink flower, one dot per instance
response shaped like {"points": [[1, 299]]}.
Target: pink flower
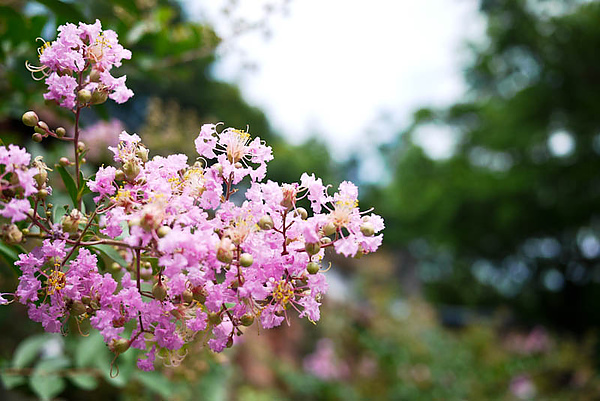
{"points": [[16, 210], [61, 89], [103, 182]]}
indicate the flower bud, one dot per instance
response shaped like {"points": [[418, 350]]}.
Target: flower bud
{"points": [[300, 211], [163, 231], [11, 234], [199, 294], [224, 251], [70, 222], [63, 161], [325, 240], [37, 137], [43, 126], [289, 196], [214, 318], [312, 248], [119, 345], [119, 175], [218, 167], [266, 222], [77, 308], [229, 342], [131, 170], [30, 118], [142, 153], [42, 174], [42, 194], [246, 260], [247, 319], [159, 290], [80, 146], [60, 132], [312, 268], [329, 228], [94, 75], [99, 97], [187, 296], [84, 96], [367, 229]]}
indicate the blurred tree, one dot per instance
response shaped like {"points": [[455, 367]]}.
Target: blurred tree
{"points": [[515, 207]]}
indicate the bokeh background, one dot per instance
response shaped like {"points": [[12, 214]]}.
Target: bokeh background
{"points": [[472, 127]]}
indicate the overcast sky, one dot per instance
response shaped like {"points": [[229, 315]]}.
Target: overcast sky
{"points": [[333, 68]]}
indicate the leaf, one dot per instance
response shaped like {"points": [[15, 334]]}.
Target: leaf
{"points": [[58, 212], [111, 253], [12, 381], [83, 380], [45, 380], [92, 353], [28, 350], [64, 11], [69, 183], [11, 254]]}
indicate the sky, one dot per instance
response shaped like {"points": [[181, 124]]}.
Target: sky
{"points": [[349, 72]]}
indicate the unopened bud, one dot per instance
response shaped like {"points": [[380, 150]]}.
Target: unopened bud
{"points": [[80, 146], [115, 267], [163, 231], [224, 250], [42, 194], [70, 222], [11, 234], [131, 170], [78, 308], [119, 175], [159, 291], [30, 118], [329, 228], [312, 267], [99, 97], [266, 222], [142, 153], [312, 248], [94, 75], [63, 161], [187, 296], [43, 126], [37, 137], [247, 319], [119, 345], [199, 295], [229, 342], [367, 229], [246, 259], [60, 132], [300, 211], [214, 318], [325, 240], [84, 96]]}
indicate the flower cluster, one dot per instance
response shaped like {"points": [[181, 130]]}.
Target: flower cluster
{"points": [[188, 256], [77, 50]]}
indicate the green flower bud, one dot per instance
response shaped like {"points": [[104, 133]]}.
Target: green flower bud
{"points": [[238, 165], [80, 146], [119, 175], [142, 153], [131, 170], [84, 96], [312, 248], [266, 222], [42, 194], [11, 234], [187, 296], [199, 294], [94, 75], [312, 268], [329, 229], [300, 211], [367, 229], [37, 137], [78, 308], [225, 251], [30, 118], [247, 320], [246, 259], [159, 290], [43, 126], [63, 161], [229, 342], [163, 231], [119, 345], [60, 132], [214, 318], [99, 97]]}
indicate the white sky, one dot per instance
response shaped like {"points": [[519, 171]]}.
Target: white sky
{"points": [[333, 68]]}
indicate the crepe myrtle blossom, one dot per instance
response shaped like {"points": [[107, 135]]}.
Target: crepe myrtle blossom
{"points": [[184, 260], [77, 66]]}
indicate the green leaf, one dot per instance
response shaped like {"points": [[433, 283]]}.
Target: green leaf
{"points": [[45, 381], [64, 11], [92, 353], [11, 254], [69, 183], [58, 212], [28, 350], [83, 380], [12, 381], [111, 253]]}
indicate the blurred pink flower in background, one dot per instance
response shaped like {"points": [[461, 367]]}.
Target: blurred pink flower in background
{"points": [[324, 364], [99, 136]]}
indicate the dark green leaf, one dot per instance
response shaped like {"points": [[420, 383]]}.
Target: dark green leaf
{"points": [[83, 380], [111, 253], [69, 183]]}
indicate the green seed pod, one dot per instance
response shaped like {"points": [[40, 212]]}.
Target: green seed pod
{"points": [[367, 229], [312, 248], [60, 132], [99, 97], [84, 96], [119, 345], [30, 118], [246, 259], [266, 222], [312, 267], [159, 291], [329, 229], [300, 211], [247, 320]]}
